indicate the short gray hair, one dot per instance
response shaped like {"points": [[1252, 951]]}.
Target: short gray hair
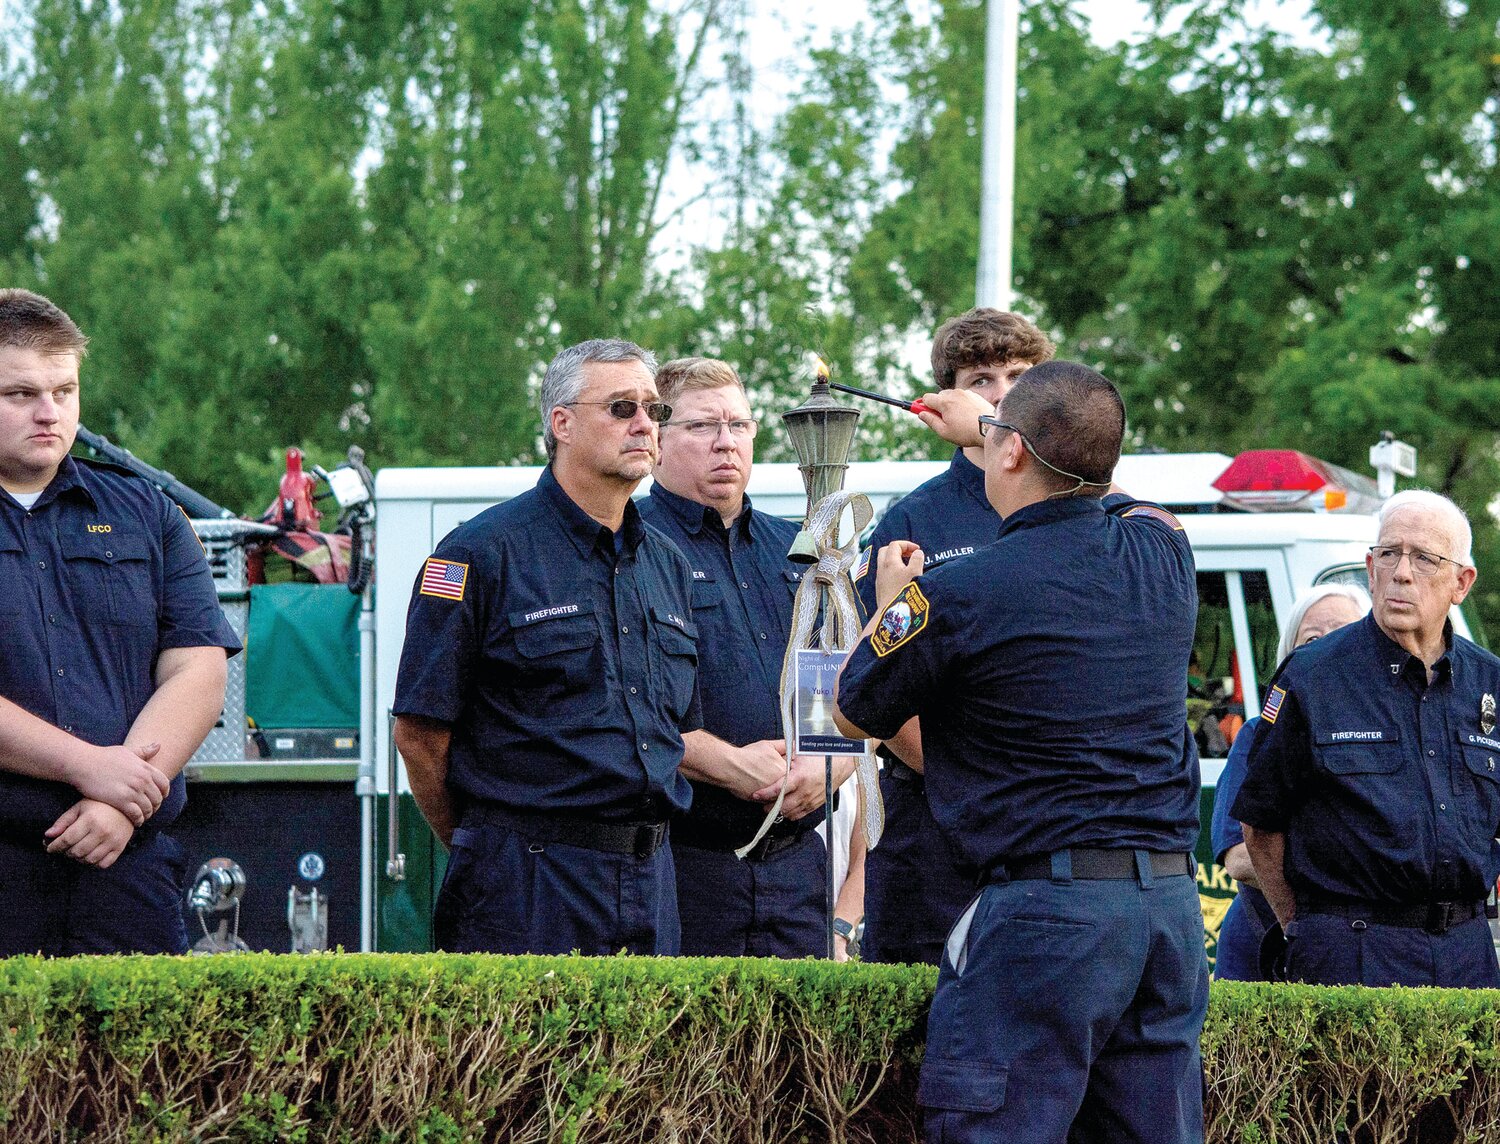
{"points": [[1304, 605], [563, 381], [1459, 532]]}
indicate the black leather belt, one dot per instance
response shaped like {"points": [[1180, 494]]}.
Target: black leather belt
{"points": [[641, 839], [1092, 865], [719, 841], [902, 773], [1435, 917]]}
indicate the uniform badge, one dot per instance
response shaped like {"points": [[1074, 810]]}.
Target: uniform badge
{"points": [[1487, 713], [444, 579], [1272, 708], [906, 617]]}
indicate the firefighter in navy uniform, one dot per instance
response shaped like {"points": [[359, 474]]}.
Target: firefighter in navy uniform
{"points": [[915, 887], [112, 673], [547, 678], [1372, 794], [1048, 672], [771, 904]]}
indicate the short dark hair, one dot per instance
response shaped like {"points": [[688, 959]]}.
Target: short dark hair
{"points": [[985, 337], [30, 322], [1074, 419]]}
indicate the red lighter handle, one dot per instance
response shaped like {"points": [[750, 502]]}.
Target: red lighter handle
{"points": [[919, 406]]}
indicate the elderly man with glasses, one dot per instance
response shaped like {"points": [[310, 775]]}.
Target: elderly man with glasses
{"points": [[1048, 672], [546, 683], [1372, 797], [771, 903]]}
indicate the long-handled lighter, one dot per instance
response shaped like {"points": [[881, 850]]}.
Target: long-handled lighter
{"points": [[917, 406]]}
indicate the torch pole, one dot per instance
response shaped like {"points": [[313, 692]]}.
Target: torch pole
{"points": [[828, 822]]}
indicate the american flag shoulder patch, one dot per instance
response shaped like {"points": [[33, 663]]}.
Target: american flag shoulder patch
{"points": [[1154, 513], [1273, 705], [444, 579], [864, 563]]}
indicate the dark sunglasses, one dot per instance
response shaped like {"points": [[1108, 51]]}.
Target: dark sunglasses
{"points": [[623, 409]]}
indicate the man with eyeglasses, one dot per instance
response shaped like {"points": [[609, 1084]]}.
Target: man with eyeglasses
{"points": [[1048, 671], [915, 886], [771, 903], [546, 682], [1372, 797]]}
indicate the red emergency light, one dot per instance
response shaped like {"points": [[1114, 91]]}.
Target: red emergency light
{"points": [[1284, 480]]}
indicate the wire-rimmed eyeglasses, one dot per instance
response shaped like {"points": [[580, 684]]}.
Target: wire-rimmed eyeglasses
{"points": [[1388, 556], [743, 428]]}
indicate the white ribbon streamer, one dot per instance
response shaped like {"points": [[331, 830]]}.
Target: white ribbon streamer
{"points": [[827, 585]]}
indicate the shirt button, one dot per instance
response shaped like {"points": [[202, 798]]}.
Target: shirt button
{"points": [[59, 671], [624, 630], [41, 564], [108, 555], [645, 746], [67, 727], [1430, 754], [743, 584], [632, 691], [52, 619], [1442, 806], [762, 635]]}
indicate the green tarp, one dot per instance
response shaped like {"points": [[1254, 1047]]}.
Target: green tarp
{"points": [[302, 665]]}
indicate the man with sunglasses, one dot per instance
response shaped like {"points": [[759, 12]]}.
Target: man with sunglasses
{"points": [[1372, 797], [771, 903], [1048, 671], [915, 888], [547, 679]]}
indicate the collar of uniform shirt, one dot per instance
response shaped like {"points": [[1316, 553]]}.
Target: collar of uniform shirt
{"points": [[583, 529], [1389, 652], [695, 516], [69, 479], [1047, 511], [970, 476]]}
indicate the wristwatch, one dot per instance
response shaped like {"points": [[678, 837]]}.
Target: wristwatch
{"points": [[846, 930]]}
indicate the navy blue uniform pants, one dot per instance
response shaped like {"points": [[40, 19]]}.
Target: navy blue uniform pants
{"points": [[1069, 1013], [505, 894], [1325, 950], [56, 906], [771, 907], [914, 890], [1240, 935]]}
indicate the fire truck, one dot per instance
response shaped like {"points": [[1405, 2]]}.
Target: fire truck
{"points": [[300, 821]]}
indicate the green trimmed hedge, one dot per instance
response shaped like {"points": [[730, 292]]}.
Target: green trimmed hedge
{"points": [[452, 1048]]}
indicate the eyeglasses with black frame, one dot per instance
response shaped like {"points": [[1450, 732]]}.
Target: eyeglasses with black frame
{"points": [[1388, 556], [743, 428], [623, 408], [988, 423]]}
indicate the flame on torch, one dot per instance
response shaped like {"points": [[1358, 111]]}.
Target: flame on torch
{"points": [[823, 371]]}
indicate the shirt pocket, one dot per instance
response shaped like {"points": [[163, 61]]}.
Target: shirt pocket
{"points": [[674, 644], [707, 594], [16, 589], [1483, 764], [559, 663], [109, 579], [1353, 758]]}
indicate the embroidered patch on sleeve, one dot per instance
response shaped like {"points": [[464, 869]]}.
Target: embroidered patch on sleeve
{"points": [[906, 616], [864, 563], [1273, 705], [444, 579], [1155, 513], [191, 529]]}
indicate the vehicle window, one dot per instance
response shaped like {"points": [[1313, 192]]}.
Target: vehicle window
{"points": [[1211, 682], [1265, 632]]}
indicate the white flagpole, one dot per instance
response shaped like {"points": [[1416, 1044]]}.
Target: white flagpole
{"points": [[998, 181]]}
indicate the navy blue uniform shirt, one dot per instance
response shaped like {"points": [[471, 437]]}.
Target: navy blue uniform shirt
{"points": [[566, 671], [743, 588], [1386, 787], [948, 516], [1049, 670], [97, 579]]}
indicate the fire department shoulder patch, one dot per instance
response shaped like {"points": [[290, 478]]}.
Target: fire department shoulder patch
{"points": [[903, 620]]}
